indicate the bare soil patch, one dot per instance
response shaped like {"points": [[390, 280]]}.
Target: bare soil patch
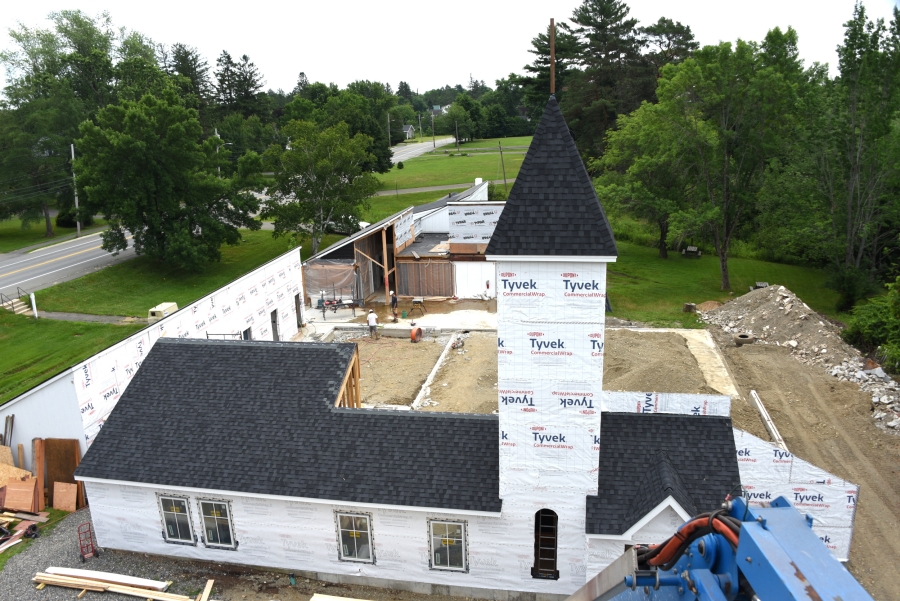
{"points": [[467, 381], [651, 362], [828, 422], [392, 370]]}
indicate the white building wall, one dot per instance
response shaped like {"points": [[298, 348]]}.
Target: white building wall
{"points": [[550, 361], [475, 279], [301, 535], [436, 222], [76, 403]]}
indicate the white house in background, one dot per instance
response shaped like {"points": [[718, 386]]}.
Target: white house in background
{"points": [[409, 131], [244, 452]]}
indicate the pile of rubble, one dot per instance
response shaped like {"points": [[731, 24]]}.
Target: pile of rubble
{"points": [[777, 316]]}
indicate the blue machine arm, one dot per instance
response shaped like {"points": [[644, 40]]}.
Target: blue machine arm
{"points": [[778, 557]]}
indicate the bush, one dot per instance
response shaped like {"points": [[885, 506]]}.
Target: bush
{"points": [[875, 326], [66, 218], [400, 165], [496, 192]]}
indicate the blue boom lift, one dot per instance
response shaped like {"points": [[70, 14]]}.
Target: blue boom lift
{"points": [[738, 553]]}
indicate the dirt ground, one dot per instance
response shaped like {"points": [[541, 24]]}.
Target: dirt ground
{"points": [[827, 422], [467, 381], [392, 370], [651, 362], [383, 311]]}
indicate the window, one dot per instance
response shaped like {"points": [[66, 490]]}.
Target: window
{"points": [[448, 545], [217, 524], [176, 520], [545, 522], [355, 537]]}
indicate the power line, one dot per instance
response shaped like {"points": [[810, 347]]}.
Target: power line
{"points": [[25, 189], [6, 181]]}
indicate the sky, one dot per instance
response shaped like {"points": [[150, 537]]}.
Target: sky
{"points": [[426, 44]]}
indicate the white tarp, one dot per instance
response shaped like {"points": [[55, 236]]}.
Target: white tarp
{"points": [[768, 472], [246, 303], [473, 223], [474, 279], [666, 402]]}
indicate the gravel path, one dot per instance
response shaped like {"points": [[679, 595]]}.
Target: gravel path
{"points": [[59, 548]]}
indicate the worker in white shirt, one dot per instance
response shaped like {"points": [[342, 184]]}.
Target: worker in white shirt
{"points": [[372, 320]]}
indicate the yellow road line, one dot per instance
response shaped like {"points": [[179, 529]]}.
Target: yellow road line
{"points": [[3, 275]]}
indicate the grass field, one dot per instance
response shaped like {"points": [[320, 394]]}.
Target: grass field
{"points": [[13, 237], [645, 288], [442, 170], [385, 206], [36, 349], [491, 143], [132, 287]]}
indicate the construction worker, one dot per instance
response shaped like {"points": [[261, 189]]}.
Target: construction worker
{"points": [[394, 305], [372, 320]]}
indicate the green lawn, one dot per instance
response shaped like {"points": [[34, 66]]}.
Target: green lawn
{"points": [[132, 287], [491, 143], [13, 237], [442, 170], [54, 517], [36, 349], [643, 287], [385, 206]]}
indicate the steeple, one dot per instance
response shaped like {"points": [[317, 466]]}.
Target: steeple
{"points": [[552, 208]]}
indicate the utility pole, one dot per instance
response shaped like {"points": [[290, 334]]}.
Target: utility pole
{"points": [[75, 189], [421, 133], [389, 130], [433, 142], [505, 187], [456, 123]]}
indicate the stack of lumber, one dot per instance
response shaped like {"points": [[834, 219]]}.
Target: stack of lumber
{"points": [[90, 580]]}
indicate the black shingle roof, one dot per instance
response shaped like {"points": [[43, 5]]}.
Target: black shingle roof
{"points": [[645, 457], [552, 208], [258, 417]]}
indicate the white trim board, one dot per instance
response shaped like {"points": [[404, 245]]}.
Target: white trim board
{"points": [[629, 534], [335, 502], [550, 259]]}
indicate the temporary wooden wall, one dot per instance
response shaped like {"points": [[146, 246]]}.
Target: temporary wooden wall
{"points": [[350, 394]]}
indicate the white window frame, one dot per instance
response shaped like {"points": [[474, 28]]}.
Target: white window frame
{"points": [[230, 521], [464, 542], [340, 544], [192, 538]]}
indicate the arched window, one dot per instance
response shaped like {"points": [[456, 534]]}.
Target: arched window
{"points": [[545, 523]]}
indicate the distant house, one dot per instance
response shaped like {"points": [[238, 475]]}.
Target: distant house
{"points": [[409, 131]]}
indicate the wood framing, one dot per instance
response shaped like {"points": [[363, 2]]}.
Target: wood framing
{"points": [[387, 274], [350, 393]]}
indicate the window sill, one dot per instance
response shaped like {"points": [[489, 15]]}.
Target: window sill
{"points": [[186, 543]]}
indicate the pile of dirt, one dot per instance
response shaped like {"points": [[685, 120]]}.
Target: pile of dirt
{"points": [[777, 316], [651, 361]]}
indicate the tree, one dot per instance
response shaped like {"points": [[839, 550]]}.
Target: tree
{"points": [[669, 42], [728, 112], [536, 85], [321, 181], [404, 93], [239, 87], [144, 168]]}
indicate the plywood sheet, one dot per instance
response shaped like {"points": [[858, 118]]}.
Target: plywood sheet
{"points": [[20, 495], [8, 472], [61, 456], [64, 496], [6, 457]]}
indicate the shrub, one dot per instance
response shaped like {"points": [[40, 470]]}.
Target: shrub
{"points": [[400, 165], [875, 326], [66, 218], [851, 284]]}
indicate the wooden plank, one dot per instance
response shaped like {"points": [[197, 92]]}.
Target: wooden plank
{"points": [[207, 590], [109, 577], [387, 296], [15, 540], [6, 457], [34, 518], [21, 456], [65, 496], [81, 583], [368, 257], [20, 495], [82, 594], [40, 469], [81, 501], [62, 458]]}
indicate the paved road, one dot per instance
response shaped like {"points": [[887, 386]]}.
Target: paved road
{"points": [[50, 265], [498, 182], [409, 151]]}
